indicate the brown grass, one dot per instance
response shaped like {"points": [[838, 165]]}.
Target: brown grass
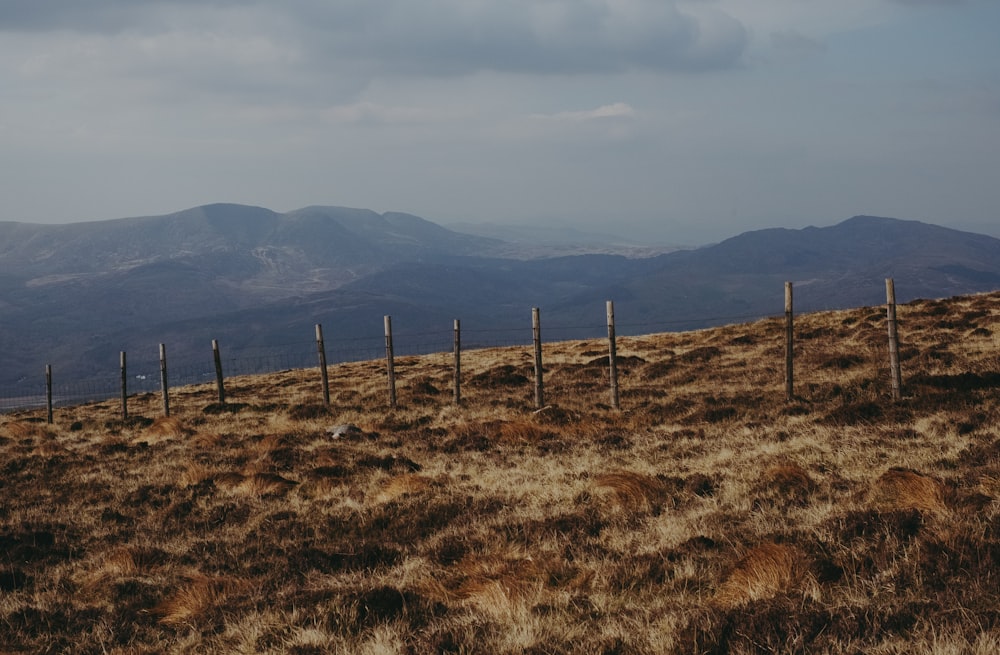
{"points": [[402, 485], [255, 484], [196, 595], [166, 428], [25, 430], [709, 515], [631, 491], [904, 489], [762, 573], [788, 483], [789, 478]]}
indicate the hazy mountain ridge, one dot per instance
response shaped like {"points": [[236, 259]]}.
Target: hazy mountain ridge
{"points": [[250, 276], [834, 267], [309, 239]]}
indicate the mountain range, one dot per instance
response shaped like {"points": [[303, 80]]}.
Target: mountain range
{"points": [[75, 295]]}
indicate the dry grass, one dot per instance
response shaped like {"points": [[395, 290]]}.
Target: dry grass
{"points": [[633, 492], [763, 573], [709, 515], [402, 485], [903, 489], [196, 596], [165, 428]]}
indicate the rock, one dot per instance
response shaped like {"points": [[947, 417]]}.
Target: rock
{"points": [[342, 431]]}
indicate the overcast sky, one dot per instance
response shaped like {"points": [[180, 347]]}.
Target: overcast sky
{"points": [[687, 121]]}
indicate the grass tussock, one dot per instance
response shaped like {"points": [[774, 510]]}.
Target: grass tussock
{"points": [[630, 491], [402, 485], [708, 515], [905, 489], [761, 574], [255, 484], [195, 596], [167, 427], [25, 430]]}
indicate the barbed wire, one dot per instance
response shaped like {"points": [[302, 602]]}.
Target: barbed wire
{"points": [[299, 353]]}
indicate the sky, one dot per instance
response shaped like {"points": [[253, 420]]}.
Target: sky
{"points": [[673, 121]]}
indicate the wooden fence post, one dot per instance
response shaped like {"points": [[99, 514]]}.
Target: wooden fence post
{"points": [[894, 372], [324, 376], [124, 388], [390, 362], [536, 330], [613, 355], [48, 392], [458, 362], [217, 356], [163, 380], [789, 345]]}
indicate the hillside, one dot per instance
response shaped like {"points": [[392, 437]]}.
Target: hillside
{"points": [[75, 296], [709, 515]]}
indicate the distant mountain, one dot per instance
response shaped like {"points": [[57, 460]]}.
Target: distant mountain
{"points": [[75, 295], [250, 252], [833, 267]]}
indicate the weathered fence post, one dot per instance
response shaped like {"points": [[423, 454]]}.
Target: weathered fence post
{"points": [[124, 388], [613, 355], [536, 330], [390, 362], [217, 356], [894, 372], [321, 352], [458, 362], [48, 392], [163, 380], [789, 345]]}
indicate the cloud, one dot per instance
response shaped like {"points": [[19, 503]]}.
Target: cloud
{"points": [[618, 110], [442, 37], [370, 113], [601, 126], [94, 16], [430, 37], [792, 41], [915, 3]]}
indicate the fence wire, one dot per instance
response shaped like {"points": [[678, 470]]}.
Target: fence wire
{"points": [[143, 370]]}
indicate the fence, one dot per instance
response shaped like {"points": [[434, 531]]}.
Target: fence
{"points": [[149, 375]]}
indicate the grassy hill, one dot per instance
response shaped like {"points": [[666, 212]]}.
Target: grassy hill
{"points": [[709, 515]]}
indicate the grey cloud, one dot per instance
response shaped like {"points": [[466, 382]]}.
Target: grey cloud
{"points": [[93, 16], [25, 15], [437, 37], [916, 3], [793, 41], [558, 36]]}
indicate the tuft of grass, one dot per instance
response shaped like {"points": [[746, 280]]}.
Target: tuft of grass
{"points": [[631, 491], [167, 427], [900, 488], [761, 574], [193, 599]]}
